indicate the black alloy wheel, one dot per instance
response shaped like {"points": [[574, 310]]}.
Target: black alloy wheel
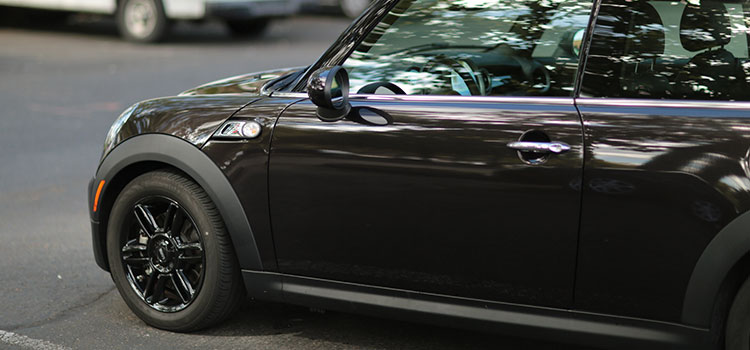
{"points": [[163, 256], [170, 255]]}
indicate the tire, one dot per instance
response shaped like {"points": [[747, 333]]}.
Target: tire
{"points": [[737, 333], [142, 20], [248, 28], [179, 274], [353, 8]]}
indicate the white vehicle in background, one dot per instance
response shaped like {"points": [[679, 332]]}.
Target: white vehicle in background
{"points": [[148, 20], [351, 8]]}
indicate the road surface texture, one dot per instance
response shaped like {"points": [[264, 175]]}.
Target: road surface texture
{"points": [[60, 89]]}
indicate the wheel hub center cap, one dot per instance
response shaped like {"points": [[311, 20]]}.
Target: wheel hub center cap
{"points": [[162, 252]]}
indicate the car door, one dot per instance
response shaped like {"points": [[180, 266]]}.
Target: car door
{"points": [[666, 155], [432, 198]]}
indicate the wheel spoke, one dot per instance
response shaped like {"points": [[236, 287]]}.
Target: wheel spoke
{"points": [[135, 260], [133, 246], [132, 253], [190, 246], [145, 220], [182, 286], [193, 259], [149, 288], [191, 253], [158, 290], [173, 219], [168, 216]]}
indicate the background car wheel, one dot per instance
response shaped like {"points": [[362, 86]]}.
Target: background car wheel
{"points": [[737, 335], [248, 28], [142, 20], [170, 255], [353, 8]]}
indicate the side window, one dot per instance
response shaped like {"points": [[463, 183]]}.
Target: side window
{"points": [[472, 47], [694, 50]]}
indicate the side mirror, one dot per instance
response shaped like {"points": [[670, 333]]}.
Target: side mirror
{"points": [[328, 89]]}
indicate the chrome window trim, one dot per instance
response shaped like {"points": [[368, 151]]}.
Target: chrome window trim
{"points": [[563, 101], [624, 102]]}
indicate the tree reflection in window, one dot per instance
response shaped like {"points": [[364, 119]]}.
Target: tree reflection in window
{"points": [[694, 50], [472, 47]]}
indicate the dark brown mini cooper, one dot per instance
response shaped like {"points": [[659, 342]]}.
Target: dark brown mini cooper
{"points": [[566, 169]]}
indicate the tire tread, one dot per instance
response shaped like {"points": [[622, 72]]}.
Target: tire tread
{"points": [[231, 291]]}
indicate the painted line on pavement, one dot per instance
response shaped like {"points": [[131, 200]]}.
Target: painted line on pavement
{"points": [[26, 342]]}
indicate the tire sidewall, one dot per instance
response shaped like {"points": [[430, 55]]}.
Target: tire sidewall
{"points": [[148, 185], [160, 29]]}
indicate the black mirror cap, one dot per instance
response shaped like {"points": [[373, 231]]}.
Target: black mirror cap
{"points": [[328, 89]]}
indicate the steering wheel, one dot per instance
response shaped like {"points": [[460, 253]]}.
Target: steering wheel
{"points": [[374, 88], [461, 75], [535, 73], [538, 77]]}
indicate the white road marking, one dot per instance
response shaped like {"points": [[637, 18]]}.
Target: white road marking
{"points": [[26, 342]]}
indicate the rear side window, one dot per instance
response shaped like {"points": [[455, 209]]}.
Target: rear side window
{"points": [[694, 50]]}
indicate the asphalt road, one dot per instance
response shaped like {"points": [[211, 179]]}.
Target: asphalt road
{"points": [[60, 89]]}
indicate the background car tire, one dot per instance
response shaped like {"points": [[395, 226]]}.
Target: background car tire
{"points": [[248, 28], [353, 8], [142, 20], [737, 334], [220, 290]]}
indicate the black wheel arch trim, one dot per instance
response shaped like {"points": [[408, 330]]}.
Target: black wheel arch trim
{"points": [[721, 255], [187, 158]]}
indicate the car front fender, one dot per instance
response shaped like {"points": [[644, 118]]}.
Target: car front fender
{"points": [[174, 152]]}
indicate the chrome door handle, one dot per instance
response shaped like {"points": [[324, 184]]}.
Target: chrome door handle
{"points": [[555, 147]]}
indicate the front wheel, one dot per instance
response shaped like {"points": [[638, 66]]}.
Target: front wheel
{"points": [[142, 20], [170, 255]]}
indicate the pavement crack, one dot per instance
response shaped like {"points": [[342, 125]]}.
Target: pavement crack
{"points": [[60, 314]]}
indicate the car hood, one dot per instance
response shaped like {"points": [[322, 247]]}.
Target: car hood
{"points": [[242, 84]]}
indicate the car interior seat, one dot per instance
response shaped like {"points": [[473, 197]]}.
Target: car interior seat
{"points": [[645, 44], [714, 73]]}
